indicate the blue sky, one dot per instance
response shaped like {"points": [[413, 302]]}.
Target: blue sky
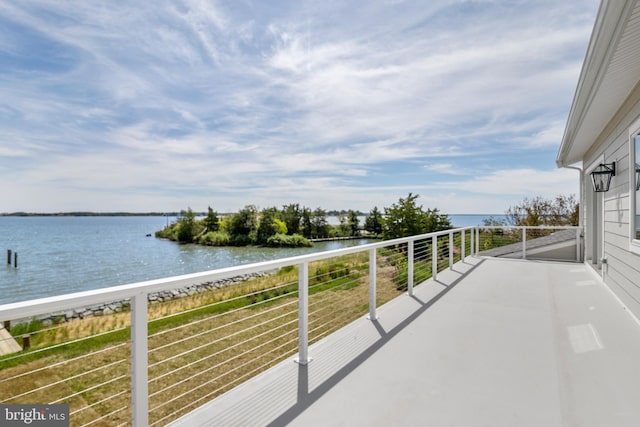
{"points": [[160, 105]]}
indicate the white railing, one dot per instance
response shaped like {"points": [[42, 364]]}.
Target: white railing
{"points": [[194, 349], [531, 242]]}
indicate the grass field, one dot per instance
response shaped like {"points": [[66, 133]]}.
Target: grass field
{"points": [[199, 346]]}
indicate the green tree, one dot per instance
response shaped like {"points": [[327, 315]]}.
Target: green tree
{"points": [[292, 215], [268, 227], [406, 218], [562, 210], [306, 223], [373, 222], [342, 229], [319, 224], [244, 225], [211, 221], [186, 226], [354, 223]]}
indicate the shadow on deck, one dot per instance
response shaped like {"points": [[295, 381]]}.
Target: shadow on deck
{"points": [[492, 342]]}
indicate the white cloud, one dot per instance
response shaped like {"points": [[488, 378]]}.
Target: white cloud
{"points": [[237, 105]]}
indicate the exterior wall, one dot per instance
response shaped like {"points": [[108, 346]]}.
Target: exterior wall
{"points": [[621, 272]]}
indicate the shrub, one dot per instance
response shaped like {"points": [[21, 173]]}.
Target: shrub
{"points": [[282, 240], [215, 238]]}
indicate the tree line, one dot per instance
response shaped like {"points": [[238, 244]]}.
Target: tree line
{"points": [[539, 211], [293, 225]]}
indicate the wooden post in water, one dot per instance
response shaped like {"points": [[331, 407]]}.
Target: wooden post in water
{"points": [[9, 256], [26, 342], [15, 259]]}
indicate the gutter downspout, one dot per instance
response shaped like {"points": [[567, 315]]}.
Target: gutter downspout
{"points": [[581, 206], [581, 213]]}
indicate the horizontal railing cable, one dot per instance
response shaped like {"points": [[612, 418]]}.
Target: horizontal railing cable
{"points": [[226, 313], [106, 399], [64, 362], [209, 356], [193, 389], [212, 368], [208, 344], [52, 347], [64, 380], [236, 380], [103, 417], [83, 391]]}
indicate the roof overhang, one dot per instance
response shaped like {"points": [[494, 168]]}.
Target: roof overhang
{"points": [[610, 72]]}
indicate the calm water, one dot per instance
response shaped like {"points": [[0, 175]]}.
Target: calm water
{"points": [[59, 255]]}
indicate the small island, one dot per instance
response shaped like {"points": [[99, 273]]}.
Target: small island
{"points": [[291, 226]]}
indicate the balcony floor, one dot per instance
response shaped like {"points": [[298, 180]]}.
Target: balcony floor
{"points": [[509, 342]]}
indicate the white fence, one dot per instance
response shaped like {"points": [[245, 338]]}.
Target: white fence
{"points": [[145, 363]]}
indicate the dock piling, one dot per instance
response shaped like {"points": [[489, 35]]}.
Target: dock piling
{"points": [[26, 342]]}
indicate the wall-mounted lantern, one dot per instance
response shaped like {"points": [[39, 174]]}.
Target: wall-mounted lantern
{"points": [[637, 177], [601, 176]]}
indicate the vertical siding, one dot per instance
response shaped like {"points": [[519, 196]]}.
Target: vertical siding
{"points": [[622, 272]]}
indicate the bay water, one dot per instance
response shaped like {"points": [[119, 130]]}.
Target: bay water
{"points": [[63, 254]]}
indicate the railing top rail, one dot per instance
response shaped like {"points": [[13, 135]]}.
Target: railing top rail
{"points": [[47, 305], [544, 227]]}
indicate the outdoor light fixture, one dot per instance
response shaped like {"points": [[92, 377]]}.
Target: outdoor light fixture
{"points": [[637, 177], [601, 176]]}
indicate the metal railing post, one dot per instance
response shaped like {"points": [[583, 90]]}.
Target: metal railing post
{"points": [[477, 240], [139, 362], [434, 257], [524, 242], [372, 285], [463, 255], [410, 268], [303, 314], [577, 244], [450, 250]]}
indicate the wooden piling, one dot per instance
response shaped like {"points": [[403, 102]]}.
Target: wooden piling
{"points": [[15, 259], [26, 342], [8, 256]]}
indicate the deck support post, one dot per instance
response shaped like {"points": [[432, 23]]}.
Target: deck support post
{"points": [[139, 361], [303, 314]]}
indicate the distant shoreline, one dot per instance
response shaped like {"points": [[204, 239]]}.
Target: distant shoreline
{"points": [[26, 214]]}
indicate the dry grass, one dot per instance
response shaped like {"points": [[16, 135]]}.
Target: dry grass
{"points": [[199, 357]]}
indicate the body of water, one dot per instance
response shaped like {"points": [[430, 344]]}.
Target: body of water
{"points": [[473, 219], [60, 255]]}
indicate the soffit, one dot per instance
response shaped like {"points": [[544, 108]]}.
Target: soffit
{"points": [[610, 72]]}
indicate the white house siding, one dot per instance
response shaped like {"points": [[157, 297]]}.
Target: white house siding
{"points": [[622, 270]]}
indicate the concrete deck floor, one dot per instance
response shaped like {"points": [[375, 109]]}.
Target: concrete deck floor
{"points": [[494, 342]]}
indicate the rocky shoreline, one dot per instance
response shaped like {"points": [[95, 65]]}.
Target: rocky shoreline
{"points": [[153, 298]]}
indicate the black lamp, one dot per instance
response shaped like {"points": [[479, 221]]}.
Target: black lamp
{"points": [[637, 177], [601, 176]]}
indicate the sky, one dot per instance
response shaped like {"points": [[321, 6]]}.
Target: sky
{"points": [[162, 105]]}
